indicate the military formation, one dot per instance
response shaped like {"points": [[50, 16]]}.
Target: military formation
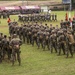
{"points": [[60, 40], [4, 15], [37, 17], [66, 24], [46, 37]]}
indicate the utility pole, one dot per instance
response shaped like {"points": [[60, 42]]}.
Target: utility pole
{"points": [[70, 8]]}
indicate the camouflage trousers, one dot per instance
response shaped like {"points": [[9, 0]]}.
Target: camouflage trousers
{"points": [[45, 43], [53, 45], [61, 47], [14, 53], [0, 55], [39, 41], [71, 49], [34, 39]]}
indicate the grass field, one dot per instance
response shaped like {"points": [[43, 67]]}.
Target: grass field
{"points": [[36, 61]]}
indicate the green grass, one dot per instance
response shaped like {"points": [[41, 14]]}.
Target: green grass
{"points": [[36, 61]]}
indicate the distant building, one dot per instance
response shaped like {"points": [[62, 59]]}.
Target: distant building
{"points": [[72, 2]]}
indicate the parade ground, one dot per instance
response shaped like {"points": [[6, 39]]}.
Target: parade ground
{"points": [[36, 61]]}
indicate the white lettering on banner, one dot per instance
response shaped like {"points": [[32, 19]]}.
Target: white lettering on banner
{"points": [[9, 8]]}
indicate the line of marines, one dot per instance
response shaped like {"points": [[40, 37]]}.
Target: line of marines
{"points": [[4, 15], [54, 39], [47, 37], [37, 17]]}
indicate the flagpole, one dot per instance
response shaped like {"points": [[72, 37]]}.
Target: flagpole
{"points": [[70, 9], [70, 5], [70, 14]]}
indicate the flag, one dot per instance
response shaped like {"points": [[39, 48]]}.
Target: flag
{"points": [[69, 15], [70, 19], [66, 17], [74, 17], [8, 20], [70, 22]]}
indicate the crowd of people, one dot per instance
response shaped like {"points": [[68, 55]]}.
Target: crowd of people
{"points": [[58, 39], [54, 38], [4, 15], [37, 17]]}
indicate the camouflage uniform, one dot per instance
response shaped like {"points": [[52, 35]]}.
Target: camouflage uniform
{"points": [[46, 40], [5, 45], [61, 43], [24, 33], [29, 34], [39, 38], [53, 41], [0, 52], [15, 43], [71, 44], [1, 37], [20, 33], [9, 48], [34, 36], [0, 15], [53, 17], [10, 29]]}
